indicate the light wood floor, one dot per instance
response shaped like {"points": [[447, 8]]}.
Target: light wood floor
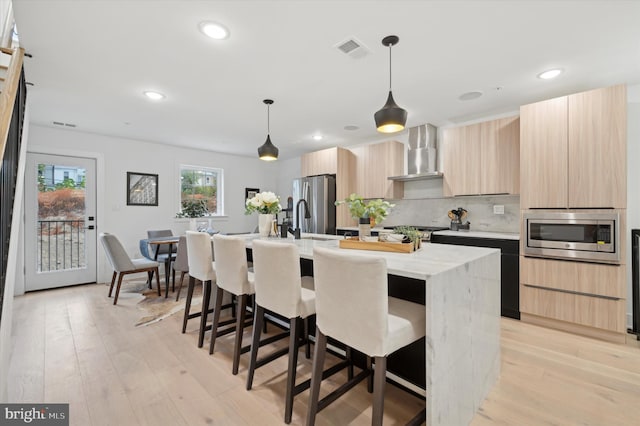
{"points": [[72, 345]]}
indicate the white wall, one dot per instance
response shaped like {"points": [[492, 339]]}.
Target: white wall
{"points": [[117, 156], [288, 171], [633, 178]]}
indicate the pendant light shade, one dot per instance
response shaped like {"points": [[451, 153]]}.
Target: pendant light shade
{"points": [[390, 118], [268, 151]]}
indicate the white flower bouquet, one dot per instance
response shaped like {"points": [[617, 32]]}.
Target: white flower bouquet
{"points": [[264, 202]]}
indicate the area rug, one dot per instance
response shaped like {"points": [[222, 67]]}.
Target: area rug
{"points": [[155, 308]]}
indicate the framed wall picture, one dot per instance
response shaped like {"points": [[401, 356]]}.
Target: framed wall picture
{"points": [[142, 189], [250, 193]]}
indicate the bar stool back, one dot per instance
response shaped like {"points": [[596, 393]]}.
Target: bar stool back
{"points": [[354, 308], [234, 277], [201, 267], [281, 289]]}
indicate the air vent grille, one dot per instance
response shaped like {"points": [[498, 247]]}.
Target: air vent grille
{"points": [[348, 46], [353, 48], [59, 123]]}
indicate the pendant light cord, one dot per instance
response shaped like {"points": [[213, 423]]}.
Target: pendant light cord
{"points": [[389, 67], [268, 120]]}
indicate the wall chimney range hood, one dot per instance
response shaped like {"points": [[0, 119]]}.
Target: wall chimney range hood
{"points": [[422, 154]]}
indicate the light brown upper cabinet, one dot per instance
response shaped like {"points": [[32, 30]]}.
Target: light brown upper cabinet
{"points": [[374, 164], [598, 148], [543, 154], [341, 163], [573, 151], [324, 162], [482, 158]]}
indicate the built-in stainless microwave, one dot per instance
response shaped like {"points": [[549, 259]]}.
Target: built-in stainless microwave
{"points": [[588, 237]]}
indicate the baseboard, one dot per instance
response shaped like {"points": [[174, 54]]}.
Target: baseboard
{"points": [[596, 333]]}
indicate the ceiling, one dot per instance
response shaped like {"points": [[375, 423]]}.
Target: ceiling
{"points": [[93, 59]]}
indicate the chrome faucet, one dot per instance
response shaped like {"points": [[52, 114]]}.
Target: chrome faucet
{"points": [[307, 215]]}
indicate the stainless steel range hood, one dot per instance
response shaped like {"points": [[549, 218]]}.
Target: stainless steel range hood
{"points": [[422, 154]]}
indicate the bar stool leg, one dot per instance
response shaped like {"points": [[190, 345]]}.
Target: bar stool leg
{"points": [[216, 318], [316, 376], [187, 307], [258, 318], [307, 347], [294, 327], [379, 379], [349, 357], [242, 310], [370, 376], [206, 295]]}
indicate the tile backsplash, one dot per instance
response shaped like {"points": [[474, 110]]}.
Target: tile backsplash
{"points": [[433, 212]]}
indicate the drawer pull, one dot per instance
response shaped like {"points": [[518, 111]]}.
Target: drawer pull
{"points": [[572, 292]]}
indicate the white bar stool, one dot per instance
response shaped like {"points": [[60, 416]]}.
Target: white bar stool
{"points": [[353, 307], [280, 289], [201, 267], [234, 277]]}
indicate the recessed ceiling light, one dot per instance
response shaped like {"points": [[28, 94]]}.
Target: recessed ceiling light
{"points": [[317, 137], [549, 74], [470, 96], [155, 96], [351, 127], [214, 30]]}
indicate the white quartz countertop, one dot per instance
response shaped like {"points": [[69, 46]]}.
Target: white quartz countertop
{"points": [[480, 234], [430, 260]]}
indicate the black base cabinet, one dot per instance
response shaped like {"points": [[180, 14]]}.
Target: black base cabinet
{"points": [[510, 267]]}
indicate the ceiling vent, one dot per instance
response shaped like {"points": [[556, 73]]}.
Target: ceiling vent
{"points": [[58, 123], [353, 48]]}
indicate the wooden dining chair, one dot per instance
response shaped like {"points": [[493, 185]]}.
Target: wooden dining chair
{"points": [[123, 265]]}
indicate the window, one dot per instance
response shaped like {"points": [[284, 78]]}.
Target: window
{"points": [[201, 185]]}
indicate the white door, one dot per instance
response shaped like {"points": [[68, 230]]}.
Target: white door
{"points": [[60, 221]]}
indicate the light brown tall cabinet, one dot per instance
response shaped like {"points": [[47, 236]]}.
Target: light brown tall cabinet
{"points": [[573, 153]]}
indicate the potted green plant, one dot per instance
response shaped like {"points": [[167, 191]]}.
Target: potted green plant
{"points": [[193, 208], [411, 233], [375, 210]]}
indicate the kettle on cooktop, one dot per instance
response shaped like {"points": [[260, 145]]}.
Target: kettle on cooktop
{"points": [[457, 216]]}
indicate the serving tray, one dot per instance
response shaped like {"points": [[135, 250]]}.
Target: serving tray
{"points": [[355, 244]]}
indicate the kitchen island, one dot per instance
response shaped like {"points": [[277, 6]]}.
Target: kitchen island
{"points": [[462, 300]]}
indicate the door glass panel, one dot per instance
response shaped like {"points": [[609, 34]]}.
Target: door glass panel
{"points": [[60, 230]]}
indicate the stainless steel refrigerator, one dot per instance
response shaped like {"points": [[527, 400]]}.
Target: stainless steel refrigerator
{"points": [[320, 194]]}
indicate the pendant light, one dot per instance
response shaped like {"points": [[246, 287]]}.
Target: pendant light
{"points": [[268, 151], [390, 118]]}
